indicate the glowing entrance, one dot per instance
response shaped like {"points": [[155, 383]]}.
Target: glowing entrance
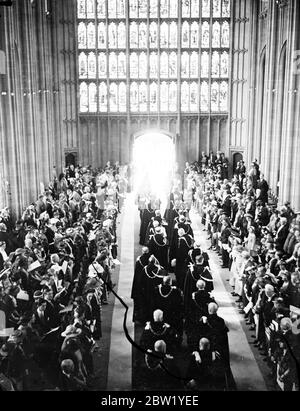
{"points": [[154, 165]]}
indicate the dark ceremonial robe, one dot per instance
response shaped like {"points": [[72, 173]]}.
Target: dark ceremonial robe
{"points": [[184, 245], [194, 273], [151, 277], [160, 374], [146, 216], [196, 252], [170, 300], [207, 373], [207, 277], [219, 337], [156, 331], [159, 248], [174, 233], [170, 215], [136, 293]]}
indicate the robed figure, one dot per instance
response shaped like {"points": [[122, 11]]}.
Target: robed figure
{"points": [[136, 294], [146, 216], [195, 272], [184, 245], [158, 246], [152, 276], [169, 299]]}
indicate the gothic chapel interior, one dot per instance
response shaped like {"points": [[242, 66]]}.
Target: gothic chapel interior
{"points": [[82, 82]]}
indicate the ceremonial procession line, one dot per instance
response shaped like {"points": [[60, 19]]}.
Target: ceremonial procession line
{"points": [[246, 372]]}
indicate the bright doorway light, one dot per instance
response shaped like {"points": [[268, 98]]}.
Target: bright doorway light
{"points": [[153, 165]]}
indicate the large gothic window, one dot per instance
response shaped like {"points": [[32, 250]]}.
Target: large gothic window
{"points": [[149, 56]]}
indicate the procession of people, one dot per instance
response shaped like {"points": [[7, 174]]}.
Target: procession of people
{"points": [[259, 246]]}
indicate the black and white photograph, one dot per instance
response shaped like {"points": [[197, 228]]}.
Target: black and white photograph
{"points": [[149, 198]]}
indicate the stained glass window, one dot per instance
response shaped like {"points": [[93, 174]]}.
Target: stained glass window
{"points": [[143, 36], [194, 65], [225, 35], [122, 65], [102, 65], [164, 65], [143, 66], [134, 97], [185, 65], [195, 8], [113, 65], [204, 64], [194, 93], [195, 35], [216, 8], [214, 97], [204, 96], [186, 8], [83, 66], [103, 97], [81, 9], [205, 8], [153, 8], [92, 70], [133, 8], [101, 9], [134, 65], [82, 43], [143, 98], [102, 35], [164, 35], [84, 101], [215, 64], [134, 36], [112, 9], [153, 65], [164, 96], [164, 8], [185, 96], [173, 96], [92, 98], [153, 35], [90, 9], [205, 35], [224, 64], [145, 55], [113, 97], [153, 97], [122, 97], [216, 39], [224, 96], [185, 35], [173, 65], [173, 35], [121, 36]]}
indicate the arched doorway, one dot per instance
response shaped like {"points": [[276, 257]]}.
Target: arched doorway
{"points": [[71, 159], [236, 158], [154, 163]]}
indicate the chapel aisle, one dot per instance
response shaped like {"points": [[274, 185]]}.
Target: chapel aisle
{"points": [[244, 367]]}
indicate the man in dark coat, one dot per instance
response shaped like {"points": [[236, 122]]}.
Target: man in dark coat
{"points": [[136, 293], [282, 233], [169, 300], [158, 246], [184, 245], [146, 215], [263, 186], [152, 276]]}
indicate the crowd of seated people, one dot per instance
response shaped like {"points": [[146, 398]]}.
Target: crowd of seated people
{"points": [[259, 242], [56, 265], [173, 301]]}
